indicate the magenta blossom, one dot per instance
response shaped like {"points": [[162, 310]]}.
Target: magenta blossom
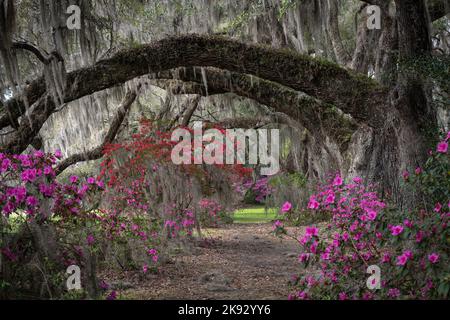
{"points": [[401, 260], [313, 204], [29, 175], [386, 258], [277, 224], [286, 207], [396, 230], [405, 175], [32, 201], [394, 293], [371, 215], [48, 171], [343, 296], [112, 295], [58, 154], [433, 258], [442, 147], [357, 180], [311, 231], [90, 240], [337, 181], [437, 207]]}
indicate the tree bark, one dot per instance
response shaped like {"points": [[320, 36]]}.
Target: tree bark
{"points": [[354, 94]]}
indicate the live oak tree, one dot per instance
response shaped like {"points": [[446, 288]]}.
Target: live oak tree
{"points": [[381, 126]]}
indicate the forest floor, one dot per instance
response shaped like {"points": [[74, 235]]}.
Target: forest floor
{"points": [[236, 261]]}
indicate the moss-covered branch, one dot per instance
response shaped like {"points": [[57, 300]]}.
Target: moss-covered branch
{"points": [[318, 117], [354, 94]]}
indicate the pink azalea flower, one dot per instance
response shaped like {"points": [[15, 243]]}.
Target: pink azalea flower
{"points": [[345, 236], [311, 231], [371, 215], [325, 256], [145, 268], [401, 260], [155, 258], [90, 240], [58, 154], [343, 296], [386, 258], [437, 207], [337, 181], [286, 207], [29, 175], [357, 180], [32, 201], [112, 295], [418, 170], [405, 175], [330, 198], [6, 163], [303, 257], [48, 171], [91, 180], [313, 204], [302, 295], [39, 154], [394, 293], [433, 258], [277, 224], [73, 179], [442, 147], [408, 254], [396, 230], [408, 223]]}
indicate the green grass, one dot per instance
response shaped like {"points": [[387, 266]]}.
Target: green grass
{"points": [[254, 215]]}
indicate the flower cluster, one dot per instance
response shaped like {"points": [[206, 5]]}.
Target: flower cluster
{"points": [[258, 190], [28, 184], [411, 247]]}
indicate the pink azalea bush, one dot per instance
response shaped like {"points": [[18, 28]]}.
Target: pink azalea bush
{"points": [[411, 247], [28, 184], [254, 191]]}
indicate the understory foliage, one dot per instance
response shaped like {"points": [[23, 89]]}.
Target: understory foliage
{"points": [[411, 248], [126, 217]]}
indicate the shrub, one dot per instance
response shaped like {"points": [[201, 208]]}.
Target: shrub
{"points": [[411, 247]]}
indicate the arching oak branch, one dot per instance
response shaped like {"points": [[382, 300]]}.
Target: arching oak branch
{"points": [[352, 93], [318, 117]]}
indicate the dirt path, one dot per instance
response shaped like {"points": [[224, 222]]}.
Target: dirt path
{"points": [[238, 261]]}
